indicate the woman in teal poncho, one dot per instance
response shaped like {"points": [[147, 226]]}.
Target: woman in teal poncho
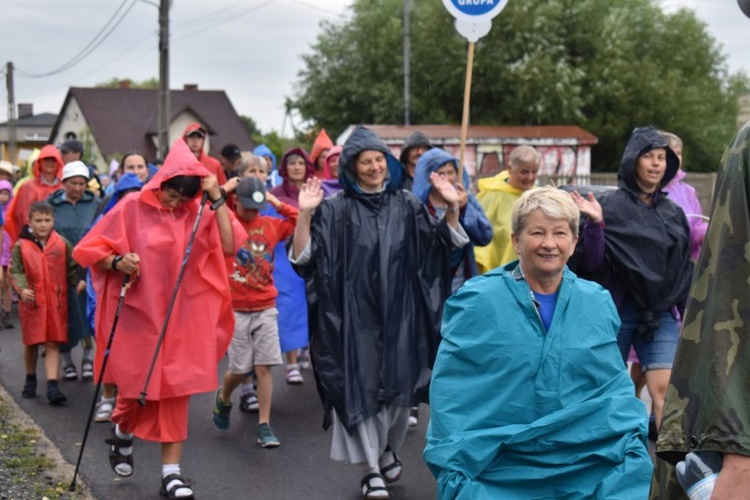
{"points": [[529, 396]]}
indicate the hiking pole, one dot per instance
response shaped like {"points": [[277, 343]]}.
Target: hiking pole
{"points": [[124, 288], [142, 397]]}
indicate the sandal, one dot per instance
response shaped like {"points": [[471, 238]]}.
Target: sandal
{"points": [[70, 373], [249, 403], [293, 376], [391, 472], [121, 464], [374, 491], [180, 483], [87, 369], [104, 411]]}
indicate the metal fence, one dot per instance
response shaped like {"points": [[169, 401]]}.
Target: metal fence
{"points": [[702, 182]]}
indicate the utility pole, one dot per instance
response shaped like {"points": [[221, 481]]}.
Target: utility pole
{"points": [[164, 104], [11, 114], [407, 54]]}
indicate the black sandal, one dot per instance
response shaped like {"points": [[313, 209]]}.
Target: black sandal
{"points": [[396, 464], [183, 483], [368, 489], [116, 458]]}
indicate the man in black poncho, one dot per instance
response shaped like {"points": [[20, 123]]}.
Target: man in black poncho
{"points": [[377, 272]]}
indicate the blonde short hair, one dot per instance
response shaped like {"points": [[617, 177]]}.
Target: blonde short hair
{"points": [[251, 160], [524, 155], [673, 141], [553, 202]]}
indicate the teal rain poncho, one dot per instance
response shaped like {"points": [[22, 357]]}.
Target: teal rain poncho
{"points": [[520, 412]]}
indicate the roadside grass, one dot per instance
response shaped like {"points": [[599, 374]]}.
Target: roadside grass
{"points": [[22, 459]]}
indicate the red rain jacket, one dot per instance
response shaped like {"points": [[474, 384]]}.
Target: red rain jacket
{"points": [[212, 164], [46, 271], [31, 191]]}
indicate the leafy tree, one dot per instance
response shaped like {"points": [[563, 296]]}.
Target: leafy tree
{"points": [[250, 125], [272, 139], [605, 65], [113, 83]]}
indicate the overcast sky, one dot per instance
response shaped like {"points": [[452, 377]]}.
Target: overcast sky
{"points": [[249, 48]]}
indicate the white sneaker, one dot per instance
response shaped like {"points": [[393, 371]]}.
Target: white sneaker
{"points": [[293, 376]]}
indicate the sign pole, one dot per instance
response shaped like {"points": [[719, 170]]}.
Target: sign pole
{"points": [[465, 117], [473, 21]]}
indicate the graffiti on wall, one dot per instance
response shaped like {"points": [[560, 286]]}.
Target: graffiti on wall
{"points": [[485, 160]]}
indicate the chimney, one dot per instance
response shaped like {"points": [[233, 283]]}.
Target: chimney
{"points": [[190, 86], [123, 84], [25, 109]]}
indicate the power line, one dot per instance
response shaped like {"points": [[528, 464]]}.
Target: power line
{"points": [[224, 21], [315, 7], [202, 18], [90, 47]]}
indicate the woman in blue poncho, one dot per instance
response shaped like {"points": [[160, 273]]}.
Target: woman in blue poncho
{"points": [[529, 396]]}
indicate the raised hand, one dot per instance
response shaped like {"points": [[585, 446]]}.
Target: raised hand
{"points": [[231, 184], [463, 196], [446, 189], [310, 195], [210, 185], [589, 207]]}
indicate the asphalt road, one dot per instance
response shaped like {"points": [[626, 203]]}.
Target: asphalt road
{"points": [[223, 465]]}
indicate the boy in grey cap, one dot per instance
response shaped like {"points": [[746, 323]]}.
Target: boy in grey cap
{"points": [[255, 343]]}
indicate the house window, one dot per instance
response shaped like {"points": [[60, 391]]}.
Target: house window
{"points": [[70, 136]]}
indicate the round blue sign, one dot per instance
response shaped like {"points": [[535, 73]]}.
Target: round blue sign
{"points": [[475, 7], [475, 11]]}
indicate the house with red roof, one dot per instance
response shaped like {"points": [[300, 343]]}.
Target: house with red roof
{"points": [[113, 121]]}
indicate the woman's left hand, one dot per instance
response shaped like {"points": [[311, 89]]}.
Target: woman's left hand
{"points": [[210, 185], [446, 189]]}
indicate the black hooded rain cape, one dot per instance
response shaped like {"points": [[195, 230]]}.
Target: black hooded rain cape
{"points": [[647, 246], [376, 284]]}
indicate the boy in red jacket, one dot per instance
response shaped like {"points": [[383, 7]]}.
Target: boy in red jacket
{"points": [[41, 268], [255, 344]]}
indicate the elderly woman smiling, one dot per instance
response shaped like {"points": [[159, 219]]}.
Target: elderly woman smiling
{"points": [[529, 396]]}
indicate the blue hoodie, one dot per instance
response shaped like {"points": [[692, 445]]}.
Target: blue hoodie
{"points": [[127, 182], [472, 218], [274, 179]]}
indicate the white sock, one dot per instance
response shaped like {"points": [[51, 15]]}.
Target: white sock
{"points": [[374, 482], [246, 389], [123, 450], [123, 469], [107, 400], [294, 366], [387, 458], [167, 469]]}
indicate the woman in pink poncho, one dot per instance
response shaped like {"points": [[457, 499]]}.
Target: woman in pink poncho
{"points": [[146, 236]]}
